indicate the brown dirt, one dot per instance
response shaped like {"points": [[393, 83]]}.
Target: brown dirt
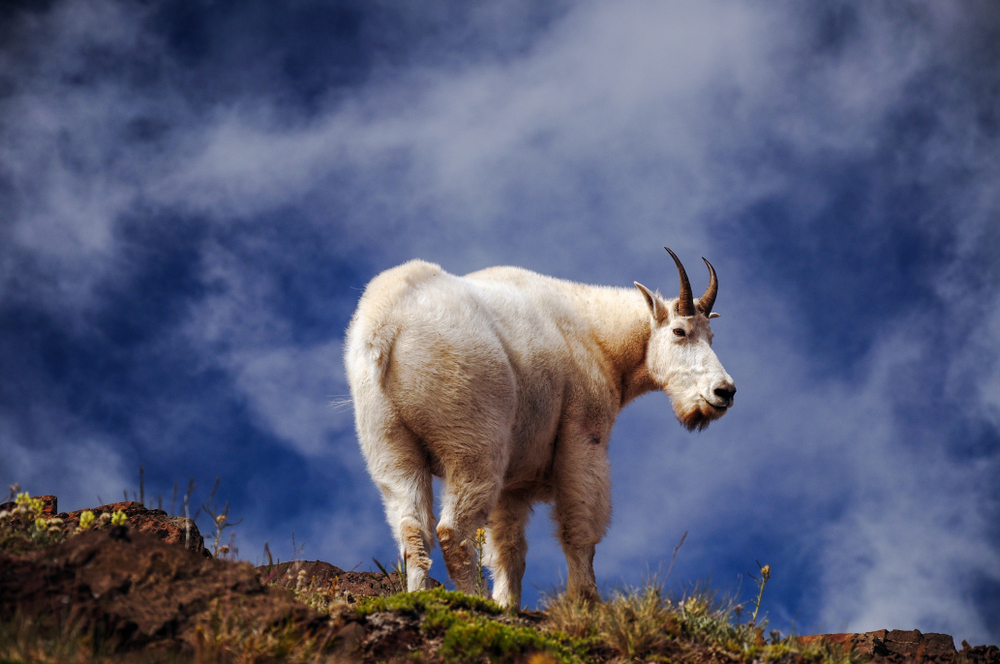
{"points": [[136, 589], [139, 586], [319, 575]]}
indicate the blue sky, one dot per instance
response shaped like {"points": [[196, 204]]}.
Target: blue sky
{"points": [[193, 195]]}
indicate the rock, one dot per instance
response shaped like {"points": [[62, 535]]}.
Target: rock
{"points": [[912, 642], [300, 574], [369, 584], [49, 508], [980, 654], [847, 642], [899, 646], [170, 529], [138, 590], [885, 642], [387, 635]]}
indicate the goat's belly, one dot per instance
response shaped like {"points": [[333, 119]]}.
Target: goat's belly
{"points": [[532, 491], [434, 461], [530, 462]]}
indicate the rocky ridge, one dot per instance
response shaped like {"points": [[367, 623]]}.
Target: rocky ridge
{"points": [[152, 584]]}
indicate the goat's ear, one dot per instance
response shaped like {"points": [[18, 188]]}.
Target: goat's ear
{"points": [[714, 315], [656, 306]]}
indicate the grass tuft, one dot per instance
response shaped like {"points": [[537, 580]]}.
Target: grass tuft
{"points": [[633, 623], [641, 623]]}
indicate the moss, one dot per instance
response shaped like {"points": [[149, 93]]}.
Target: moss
{"points": [[425, 601], [477, 639], [472, 628]]}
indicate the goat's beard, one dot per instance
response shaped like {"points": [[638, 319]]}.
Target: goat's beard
{"points": [[697, 416]]}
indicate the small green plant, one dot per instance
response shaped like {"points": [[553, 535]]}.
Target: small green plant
{"points": [[24, 528], [86, 521], [765, 575], [324, 600], [481, 586], [399, 567], [220, 522]]}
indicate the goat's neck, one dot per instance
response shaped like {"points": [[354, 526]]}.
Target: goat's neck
{"points": [[619, 319]]}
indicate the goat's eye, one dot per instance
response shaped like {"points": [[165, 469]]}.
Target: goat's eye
{"points": [[678, 332]]}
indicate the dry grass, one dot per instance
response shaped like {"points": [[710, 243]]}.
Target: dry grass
{"points": [[641, 622], [631, 625], [229, 638], [225, 639]]}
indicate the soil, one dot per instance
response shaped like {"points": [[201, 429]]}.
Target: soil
{"points": [[134, 589], [153, 584], [320, 575]]}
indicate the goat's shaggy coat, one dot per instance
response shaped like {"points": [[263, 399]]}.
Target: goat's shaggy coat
{"points": [[505, 383]]}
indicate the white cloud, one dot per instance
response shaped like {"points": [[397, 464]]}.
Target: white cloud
{"points": [[461, 150], [292, 390], [624, 128], [61, 457]]}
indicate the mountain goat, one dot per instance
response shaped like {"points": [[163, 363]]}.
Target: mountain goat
{"points": [[505, 383]]}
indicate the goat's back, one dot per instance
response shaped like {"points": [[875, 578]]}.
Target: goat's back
{"points": [[482, 356]]}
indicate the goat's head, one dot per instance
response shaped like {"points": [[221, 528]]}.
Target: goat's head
{"points": [[680, 358]]}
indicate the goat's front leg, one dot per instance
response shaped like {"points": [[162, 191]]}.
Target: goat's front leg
{"points": [[582, 507]]}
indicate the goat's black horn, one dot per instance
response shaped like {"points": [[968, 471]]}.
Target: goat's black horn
{"points": [[707, 301], [685, 301]]}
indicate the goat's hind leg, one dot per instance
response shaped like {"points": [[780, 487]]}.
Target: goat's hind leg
{"points": [[403, 475], [471, 488], [507, 547]]}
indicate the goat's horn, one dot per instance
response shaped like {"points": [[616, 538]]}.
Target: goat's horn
{"points": [[708, 299], [685, 302]]}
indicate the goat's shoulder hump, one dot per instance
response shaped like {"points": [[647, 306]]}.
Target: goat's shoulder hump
{"points": [[509, 275], [391, 285], [412, 272]]}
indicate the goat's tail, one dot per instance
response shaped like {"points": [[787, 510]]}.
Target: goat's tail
{"points": [[374, 329], [378, 348], [368, 350]]}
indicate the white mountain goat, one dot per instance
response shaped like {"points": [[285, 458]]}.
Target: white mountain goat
{"points": [[505, 383]]}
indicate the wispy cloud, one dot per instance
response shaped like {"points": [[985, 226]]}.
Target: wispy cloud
{"points": [[194, 229]]}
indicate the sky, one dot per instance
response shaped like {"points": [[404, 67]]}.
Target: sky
{"points": [[194, 193]]}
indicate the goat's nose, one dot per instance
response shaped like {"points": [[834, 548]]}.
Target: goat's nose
{"points": [[725, 393]]}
